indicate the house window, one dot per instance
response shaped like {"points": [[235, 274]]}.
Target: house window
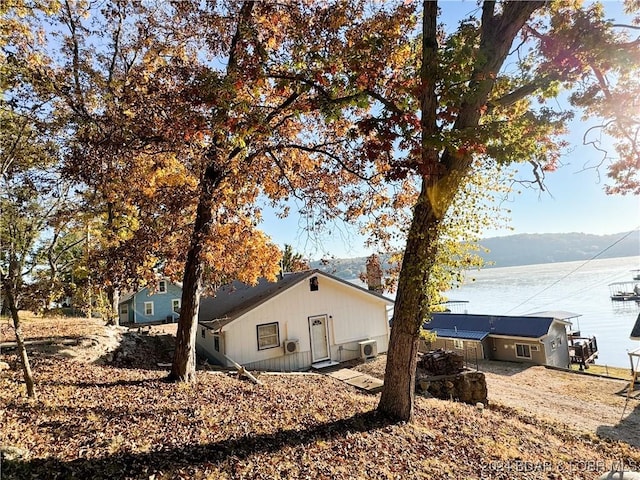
{"points": [[216, 343], [313, 284], [523, 350], [458, 344], [124, 309], [175, 305], [162, 286], [268, 336], [148, 308]]}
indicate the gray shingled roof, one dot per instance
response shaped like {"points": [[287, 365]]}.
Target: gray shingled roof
{"points": [[237, 298]]}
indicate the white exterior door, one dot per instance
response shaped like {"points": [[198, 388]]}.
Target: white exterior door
{"points": [[318, 330]]}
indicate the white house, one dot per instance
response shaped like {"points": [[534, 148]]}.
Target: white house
{"points": [[302, 319]]}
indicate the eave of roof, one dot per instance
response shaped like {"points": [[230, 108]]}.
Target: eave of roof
{"points": [[460, 334], [267, 291], [560, 315]]}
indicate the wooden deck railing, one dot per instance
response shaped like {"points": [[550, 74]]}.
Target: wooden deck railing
{"points": [[582, 350]]}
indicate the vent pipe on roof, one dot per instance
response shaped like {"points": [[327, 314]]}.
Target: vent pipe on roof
{"points": [[455, 329]]}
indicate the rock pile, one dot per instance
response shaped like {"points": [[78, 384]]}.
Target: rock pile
{"points": [[441, 374], [441, 362]]}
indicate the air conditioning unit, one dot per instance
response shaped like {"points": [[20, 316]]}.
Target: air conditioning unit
{"points": [[291, 346], [368, 349]]}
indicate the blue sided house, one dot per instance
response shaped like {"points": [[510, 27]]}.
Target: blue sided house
{"points": [[540, 338], [148, 306]]}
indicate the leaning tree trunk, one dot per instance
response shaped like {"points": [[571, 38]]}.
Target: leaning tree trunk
{"points": [[442, 175], [411, 306], [22, 350], [183, 368], [410, 310]]}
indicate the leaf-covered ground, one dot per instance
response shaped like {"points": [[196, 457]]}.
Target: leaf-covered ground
{"points": [[102, 422]]}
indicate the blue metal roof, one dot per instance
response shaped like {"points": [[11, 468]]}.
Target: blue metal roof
{"points": [[516, 326], [461, 334]]}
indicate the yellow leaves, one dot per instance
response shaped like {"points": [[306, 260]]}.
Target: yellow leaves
{"points": [[236, 249], [442, 192]]}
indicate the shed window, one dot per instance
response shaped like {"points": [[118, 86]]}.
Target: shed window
{"points": [[216, 343], [148, 308], [313, 284], [202, 332], [523, 350], [268, 336], [458, 344], [124, 308], [162, 286]]}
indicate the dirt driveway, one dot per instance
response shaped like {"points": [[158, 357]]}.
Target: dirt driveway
{"points": [[584, 402]]}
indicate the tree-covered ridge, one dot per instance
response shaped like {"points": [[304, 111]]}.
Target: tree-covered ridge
{"points": [[515, 250]]}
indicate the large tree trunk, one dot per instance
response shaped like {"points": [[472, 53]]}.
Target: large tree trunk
{"points": [[410, 311], [411, 307], [184, 358], [442, 175], [183, 368]]}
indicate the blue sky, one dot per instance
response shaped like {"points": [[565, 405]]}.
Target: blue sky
{"points": [[575, 200]]}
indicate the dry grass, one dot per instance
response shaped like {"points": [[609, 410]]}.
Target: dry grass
{"points": [[98, 421], [613, 372]]}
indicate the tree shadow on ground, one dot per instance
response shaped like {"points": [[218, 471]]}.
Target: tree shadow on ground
{"points": [[223, 454], [48, 346], [626, 430], [102, 384]]}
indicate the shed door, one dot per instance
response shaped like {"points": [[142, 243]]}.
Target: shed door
{"points": [[319, 338]]}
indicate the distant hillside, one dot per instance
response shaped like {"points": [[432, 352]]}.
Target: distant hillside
{"points": [[529, 249], [523, 249]]}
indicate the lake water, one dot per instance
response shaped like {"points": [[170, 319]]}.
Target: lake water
{"points": [[579, 287]]}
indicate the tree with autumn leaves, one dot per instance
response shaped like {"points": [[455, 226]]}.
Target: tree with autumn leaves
{"points": [[183, 117], [473, 108]]}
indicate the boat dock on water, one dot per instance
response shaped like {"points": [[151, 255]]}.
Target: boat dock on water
{"points": [[625, 291]]}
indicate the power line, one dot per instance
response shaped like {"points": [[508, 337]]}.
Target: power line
{"points": [[574, 270]]}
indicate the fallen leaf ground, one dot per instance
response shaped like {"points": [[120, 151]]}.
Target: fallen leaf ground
{"points": [[94, 421]]}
